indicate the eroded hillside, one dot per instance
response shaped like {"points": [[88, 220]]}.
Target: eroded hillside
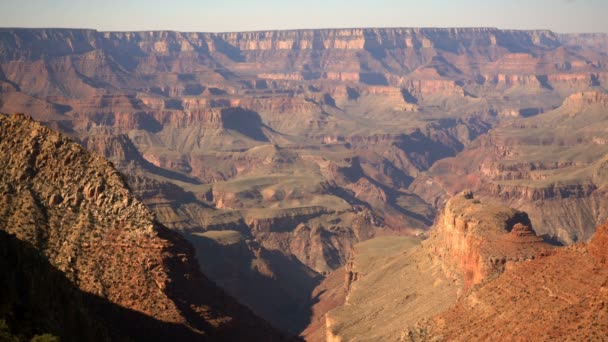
{"points": [[68, 213]]}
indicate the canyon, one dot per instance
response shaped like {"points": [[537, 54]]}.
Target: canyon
{"points": [[281, 158], [553, 166]]}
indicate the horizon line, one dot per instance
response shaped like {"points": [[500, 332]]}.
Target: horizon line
{"points": [[302, 29]]}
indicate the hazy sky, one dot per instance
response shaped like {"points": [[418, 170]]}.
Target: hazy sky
{"points": [[244, 15]]}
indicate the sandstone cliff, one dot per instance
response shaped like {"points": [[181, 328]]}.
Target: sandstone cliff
{"points": [[477, 241], [482, 266], [559, 295]]}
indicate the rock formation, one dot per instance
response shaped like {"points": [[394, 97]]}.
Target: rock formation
{"points": [[397, 282], [559, 295], [477, 241], [75, 210], [482, 266]]}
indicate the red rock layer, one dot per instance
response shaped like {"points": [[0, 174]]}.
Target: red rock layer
{"points": [[560, 295]]}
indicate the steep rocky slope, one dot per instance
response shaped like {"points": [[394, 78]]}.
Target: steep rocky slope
{"points": [[75, 210], [33, 293], [478, 241], [305, 142], [560, 295]]}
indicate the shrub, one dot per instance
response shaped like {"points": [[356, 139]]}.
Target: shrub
{"points": [[45, 338]]}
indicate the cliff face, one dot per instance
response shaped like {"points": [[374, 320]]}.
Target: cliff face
{"points": [[69, 41], [479, 241], [389, 38], [82, 63], [480, 259], [114, 249]]}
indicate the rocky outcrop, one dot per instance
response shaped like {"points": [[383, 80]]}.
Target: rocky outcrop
{"points": [[531, 193], [504, 266], [425, 88], [401, 281], [283, 220], [477, 242], [573, 80], [558, 295], [582, 100], [114, 248]]}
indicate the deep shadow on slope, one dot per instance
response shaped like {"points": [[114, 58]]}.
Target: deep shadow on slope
{"points": [[244, 121], [106, 238], [355, 172], [283, 297], [125, 145], [37, 298], [197, 290]]}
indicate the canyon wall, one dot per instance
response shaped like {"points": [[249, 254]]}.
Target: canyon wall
{"points": [[479, 260], [551, 165]]}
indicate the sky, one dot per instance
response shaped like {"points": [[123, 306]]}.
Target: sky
{"points": [[563, 16]]}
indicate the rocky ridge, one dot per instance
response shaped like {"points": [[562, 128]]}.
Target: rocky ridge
{"points": [[559, 295], [400, 281], [477, 242], [114, 249]]}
